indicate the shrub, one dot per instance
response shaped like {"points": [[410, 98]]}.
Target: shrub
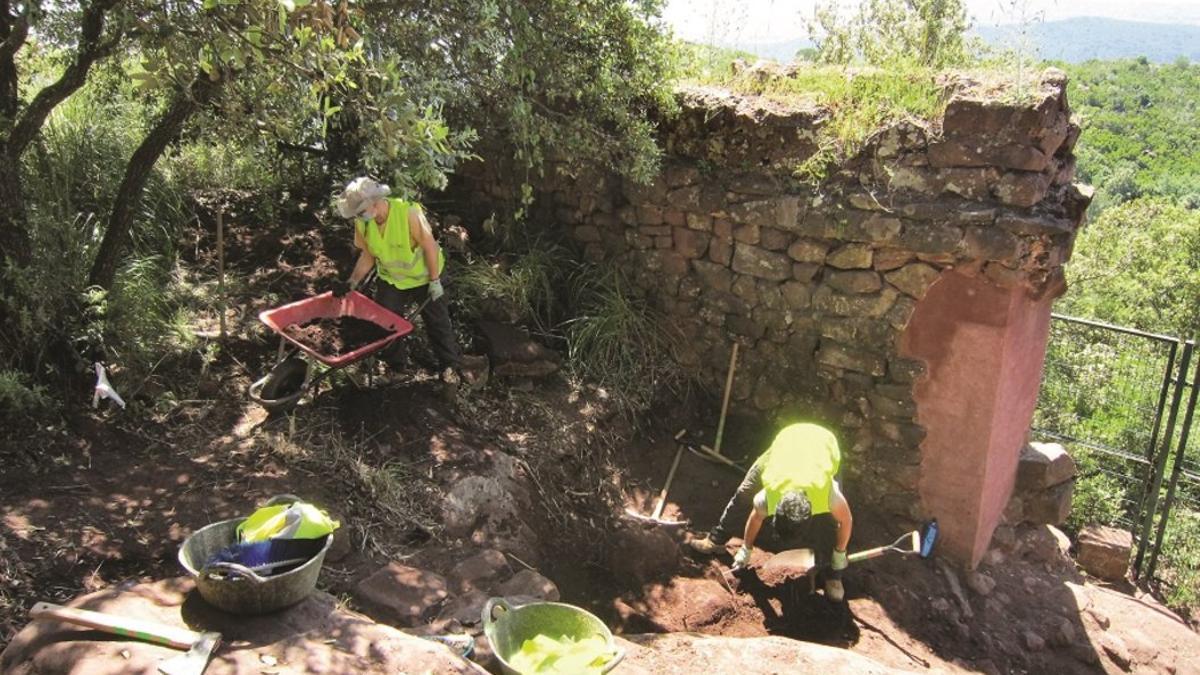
{"points": [[523, 289], [618, 340]]}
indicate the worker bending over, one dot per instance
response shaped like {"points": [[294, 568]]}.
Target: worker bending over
{"points": [[791, 489]]}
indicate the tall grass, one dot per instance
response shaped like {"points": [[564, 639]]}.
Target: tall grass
{"points": [[618, 340], [523, 289]]}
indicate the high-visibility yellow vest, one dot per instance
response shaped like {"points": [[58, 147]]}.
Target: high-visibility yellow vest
{"points": [[298, 520], [396, 261], [802, 458]]}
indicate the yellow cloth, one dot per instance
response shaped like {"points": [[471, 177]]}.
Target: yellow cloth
{"points": [[802, 458], [545, 655], [397, 262], [298, 520]]}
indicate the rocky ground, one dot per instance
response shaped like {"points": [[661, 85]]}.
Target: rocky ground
{"points": [[515, 489]]}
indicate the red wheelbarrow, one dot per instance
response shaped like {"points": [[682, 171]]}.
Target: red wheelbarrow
{"points": [[292, 376]]}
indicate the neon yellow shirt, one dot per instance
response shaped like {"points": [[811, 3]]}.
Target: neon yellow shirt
{"points": [[396, 261], [802, 458]]}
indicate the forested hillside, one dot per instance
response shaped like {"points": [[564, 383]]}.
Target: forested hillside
{"points": [[1138, 263]]}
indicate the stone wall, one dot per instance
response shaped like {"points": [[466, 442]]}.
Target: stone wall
{"points": [[818, 285]]}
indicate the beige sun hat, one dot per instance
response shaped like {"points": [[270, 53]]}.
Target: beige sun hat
{"points": [[358, 194]]}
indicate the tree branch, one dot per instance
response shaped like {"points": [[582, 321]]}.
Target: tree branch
{"points": [[91, 48]]}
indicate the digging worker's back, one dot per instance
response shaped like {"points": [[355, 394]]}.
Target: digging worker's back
{"points": [[791, 488]]}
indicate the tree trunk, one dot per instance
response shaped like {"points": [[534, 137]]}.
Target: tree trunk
{"points": [[14, 230], [21, 125], [116, 235]]}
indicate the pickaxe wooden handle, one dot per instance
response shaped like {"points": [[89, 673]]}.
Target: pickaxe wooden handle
{"points": [[147, 631]]}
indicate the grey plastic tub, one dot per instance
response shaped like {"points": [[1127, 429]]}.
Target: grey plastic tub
{"points": [[236, 589]]}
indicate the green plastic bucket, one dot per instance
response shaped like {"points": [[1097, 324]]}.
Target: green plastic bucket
{"points": [[507, 627]]}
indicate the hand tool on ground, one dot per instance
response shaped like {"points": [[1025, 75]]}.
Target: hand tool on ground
{"points": [[656, 516], [199, 646], [802, 562], [713, 454]]}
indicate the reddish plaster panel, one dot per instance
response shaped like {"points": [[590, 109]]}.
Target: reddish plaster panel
{"points": [[984, 347]]}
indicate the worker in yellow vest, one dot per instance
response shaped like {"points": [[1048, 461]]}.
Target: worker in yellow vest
{"points": [[394, 239], [792, 490]]}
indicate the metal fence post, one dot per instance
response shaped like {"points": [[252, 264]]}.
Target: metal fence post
{"points": [[1150, 503], [1180, 451]]}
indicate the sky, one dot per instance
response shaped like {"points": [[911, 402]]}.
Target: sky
{"points": [[734, 22]]}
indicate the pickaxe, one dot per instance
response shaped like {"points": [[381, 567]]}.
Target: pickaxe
{"points": [[199, 646]]}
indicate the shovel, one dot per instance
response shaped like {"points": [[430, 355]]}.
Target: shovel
{"points": [[802, 562], [199, 646]]}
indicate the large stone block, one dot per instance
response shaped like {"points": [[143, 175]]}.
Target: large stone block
{"points": [[761, 263], [876, 305], [1104, 551], [849, 358], [913, 279], [407, 592], [1049, 506], [933, 237], [991, 243], [808, 250], [1043, 465], [1023, 188], [850, 256], [691, 243], [854, 281], [713, 275]]}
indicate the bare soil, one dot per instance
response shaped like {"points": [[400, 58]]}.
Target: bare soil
{"points": [[334, 337], [107, 496]]}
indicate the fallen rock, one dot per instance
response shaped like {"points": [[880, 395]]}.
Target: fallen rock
{"points": [[1004, 538], [980, 583], [690, 653], [1033, 642], [475, 498], [514, 353], [1044, 543], [530, 583], [475, 571], [1050, 506], [466, 609], [1104, 552], [1043, 465], [405, 592], [640, 554], [314, 636]]}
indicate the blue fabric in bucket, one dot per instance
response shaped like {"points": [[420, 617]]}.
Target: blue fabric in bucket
{"points": [[273, 556]]}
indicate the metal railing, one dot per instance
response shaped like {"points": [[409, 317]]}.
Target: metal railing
{"points": [[1121, 400]]}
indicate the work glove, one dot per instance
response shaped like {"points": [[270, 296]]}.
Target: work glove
{"points": [[840, 560], [339, 288], [435, 289], [742, 557]]}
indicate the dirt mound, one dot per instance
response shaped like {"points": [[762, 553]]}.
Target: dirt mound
{"points": [[334, 337]]}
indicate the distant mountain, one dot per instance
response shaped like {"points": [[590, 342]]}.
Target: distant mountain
{"points": [[1070, 40], [1083, 38]]}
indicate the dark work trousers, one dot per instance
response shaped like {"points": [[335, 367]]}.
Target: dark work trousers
{"points": [[435, 314], [818, 532]]}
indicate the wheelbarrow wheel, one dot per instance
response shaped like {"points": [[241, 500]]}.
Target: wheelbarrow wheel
{"points": [[282, 387]]}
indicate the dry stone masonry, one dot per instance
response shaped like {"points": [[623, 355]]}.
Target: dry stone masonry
{"points": [[818, 284]]}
